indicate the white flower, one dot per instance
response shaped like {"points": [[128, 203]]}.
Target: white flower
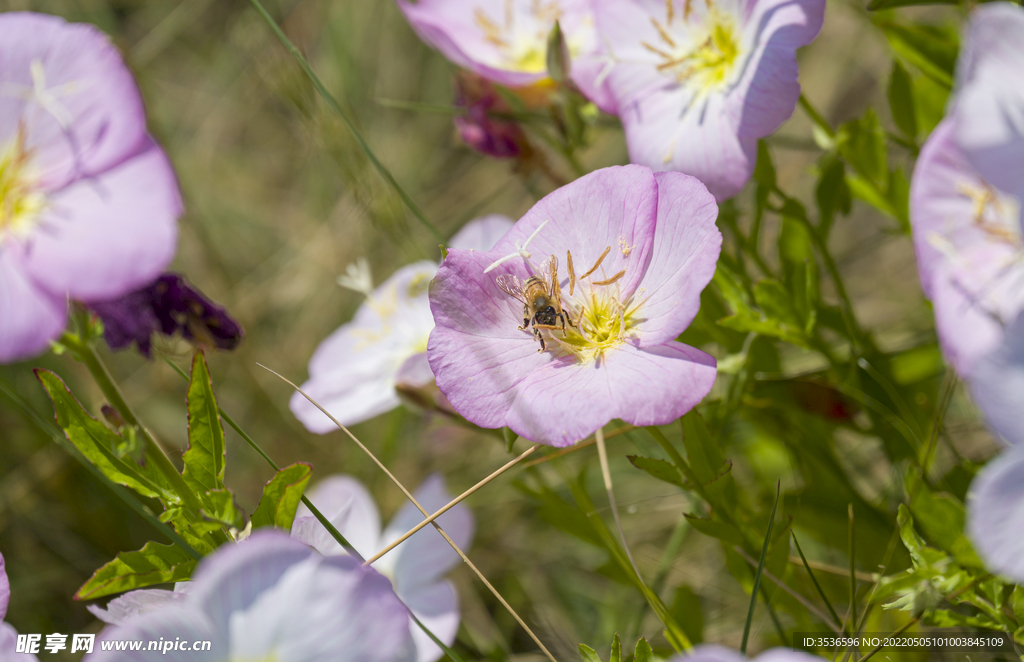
{"points": [[353, 373], [415, 567]]}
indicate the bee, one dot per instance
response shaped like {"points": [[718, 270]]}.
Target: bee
{"points": [[542, 301]]}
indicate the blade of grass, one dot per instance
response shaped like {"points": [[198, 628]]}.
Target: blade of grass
{"points": [[814, 580], [792, 593], [336, 107], [853, 570], [760, 571]]}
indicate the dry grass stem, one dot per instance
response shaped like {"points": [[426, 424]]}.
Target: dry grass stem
{"points": [[416, 503]]}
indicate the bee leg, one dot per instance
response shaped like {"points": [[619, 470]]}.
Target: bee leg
{"points": [[536, 332]]}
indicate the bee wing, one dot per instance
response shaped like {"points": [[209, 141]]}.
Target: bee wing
{"points": [[511, 286]]}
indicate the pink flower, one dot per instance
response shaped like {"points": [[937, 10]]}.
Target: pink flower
{"points": [[643, 245], [696, 84], [416, 568], [88, 202], [271, 598], [354, 372], [965, 199], [506, 42], [716, 653]]}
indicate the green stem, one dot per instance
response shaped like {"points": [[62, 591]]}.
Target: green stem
{"points": [[336, 107], [154, 452], [816, 117]]}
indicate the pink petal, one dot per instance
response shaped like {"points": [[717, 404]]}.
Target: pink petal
{"points": [[132, 604], [613, 207], [972, 273], [173, 622], [995, 514], [345, 502], [989, 102], [437, 607], [415, 371], [476, 351], [651, 386], [104, 237], [683, 258], [997, 384], [29, 316], [5, 589], [95, 97], [481, 234], [426, 556], [9, 646]]}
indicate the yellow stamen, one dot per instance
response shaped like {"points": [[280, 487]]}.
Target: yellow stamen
{"points": [[612, 279], [598, 263]]}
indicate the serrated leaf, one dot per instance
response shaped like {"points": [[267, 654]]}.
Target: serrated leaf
{"points": [[616, 655], [643, 652], [97, 442], [727, 533], [930, 49], [204, 459], [153, 564], [588, 653], [281, 497], [901, 100], [941, 518], [660, 469]]}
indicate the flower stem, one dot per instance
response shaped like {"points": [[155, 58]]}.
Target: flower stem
{"points": [[816, 117], [602, 454], [154, 451]]}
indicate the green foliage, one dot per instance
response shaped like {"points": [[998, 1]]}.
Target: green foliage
{"points": [[901, 101], [281, 496], [687, 611], [941, 518], [153, 564], [660, 469], [832, 194], [204, 459], [931, 49], [99, 444]]}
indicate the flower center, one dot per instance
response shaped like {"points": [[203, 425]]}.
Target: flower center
{"points": [[703, 55], [20, 199], [603, 322], [522, 47]]}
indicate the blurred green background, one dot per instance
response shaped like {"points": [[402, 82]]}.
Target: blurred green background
{"points": [[279, 200]]}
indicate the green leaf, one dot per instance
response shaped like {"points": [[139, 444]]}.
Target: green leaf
{"points": [[153, 564], [281, 496], [901, 100], [870, 193], [777, 305], [862, 143], [557, 56], [643, 652], [204, 459], [931, 49], [616, 655], [727, 533], [510, 438], [1017, 603], [220, 510], [945, 618], [705, 458], [930, 101], [660, 469], [893, 4], [98, 443], [941, 518], [764, 171], [832, 194], [687, 611], [588, 653]]}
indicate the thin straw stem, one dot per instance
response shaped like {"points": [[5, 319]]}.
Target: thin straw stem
{"points": [[416, 503], [602, 454]]}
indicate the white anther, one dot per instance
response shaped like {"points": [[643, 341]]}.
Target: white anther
{"points": [[357, 277], [520, 250]]}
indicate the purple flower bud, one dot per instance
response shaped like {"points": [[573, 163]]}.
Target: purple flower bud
{"points": [[168, 305], [479, 128]]}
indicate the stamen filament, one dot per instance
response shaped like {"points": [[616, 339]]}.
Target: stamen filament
{"points": [[661, 31]]}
